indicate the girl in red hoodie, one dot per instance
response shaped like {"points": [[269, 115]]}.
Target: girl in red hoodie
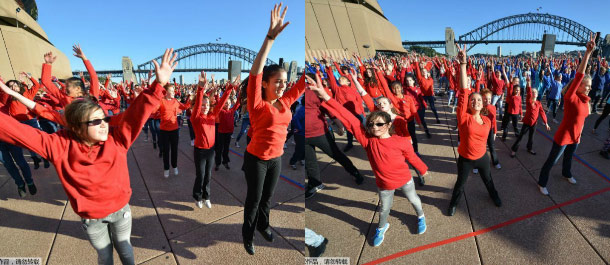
{"points": [[567, 136], [386, 153], [474, 129], [270, 115], [91, 161]]}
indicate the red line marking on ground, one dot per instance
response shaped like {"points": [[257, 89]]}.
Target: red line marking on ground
{"points": [[484, 230]]}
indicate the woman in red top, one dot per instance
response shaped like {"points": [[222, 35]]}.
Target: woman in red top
{"points": [[386, 153], [426, 82], [514, 110], [168, 136], [91, 162], [203, 122], [270, 115], [567, 137], [225, 130], [491, 138], [533, 109], [474, 129]]}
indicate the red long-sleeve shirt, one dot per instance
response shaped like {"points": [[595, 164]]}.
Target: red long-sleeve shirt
{"points": [[513, 101], [227, 119], [491, 114], [346, 95], [168, 113], [533, 109], [268, 123], [204, 125], [315, 121], [19, 111], [387, 156], [426, 84], [497, 84], [61, 96], [95, 178], [473, 136], [576, 108]]}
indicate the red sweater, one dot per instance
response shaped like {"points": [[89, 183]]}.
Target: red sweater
{"points": [[399, 123], [387, 156], [533, 109], [227, 118], [168, 113], [426, 84], [96, 178], [204, 125], [346, 95], [497, 84], [268, 123], [513, 101], [61, 95], [19, 111], [473, 136], [315, 121], [491, 114], [576, 108]]}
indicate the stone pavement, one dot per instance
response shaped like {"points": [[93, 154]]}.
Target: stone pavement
{"points": [[571, 226], [167, 226]]}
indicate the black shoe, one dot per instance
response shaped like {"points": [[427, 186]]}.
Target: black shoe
{"points": [[428, 134], [154, 145], [249, 248], [319, 250], [497, 200], [312, 191], [348, 147], [604, 154], [359, 178], [421, 181], [227, 166], [531, 152], [438, 121], [36, 162], [451, 210], [46, 164], [32, 188], [267, 235], [21, 191]]}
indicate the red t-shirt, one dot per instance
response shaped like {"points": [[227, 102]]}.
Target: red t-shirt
{"points": [[532, 110], [168, 113], [473, 136], [576, 109]]}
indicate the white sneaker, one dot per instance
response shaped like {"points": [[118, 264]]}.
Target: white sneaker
{"points": [[571, 180], [232, 136], [199, 204], [555, 121], [192, 142], [146, 139], [166, 173], [476, 171], [208, 204], [302, 162], [498, 166], [175, 171], [543, 190], [237, 145]]}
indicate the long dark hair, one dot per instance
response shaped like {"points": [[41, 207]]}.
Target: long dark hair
{"points": [[22, 87], [268, 72], [370, 80], [373, 116]]}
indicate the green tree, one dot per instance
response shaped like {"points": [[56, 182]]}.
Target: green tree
{"points": [[424, 50]]}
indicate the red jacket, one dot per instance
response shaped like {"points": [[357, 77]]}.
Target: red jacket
{"points": [[96, 178]]}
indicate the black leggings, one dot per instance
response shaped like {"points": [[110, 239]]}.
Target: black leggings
{"points": [[492, 147], [299, 149], [411, 128], [204, 159], [465, 166], [261, 178], [530, 140], [222, 148], [605, 113], [506, 120], [169, 143], [326, 143]]}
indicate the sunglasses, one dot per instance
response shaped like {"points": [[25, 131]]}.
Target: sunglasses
{"points": [[378, 124], [97, 121]]}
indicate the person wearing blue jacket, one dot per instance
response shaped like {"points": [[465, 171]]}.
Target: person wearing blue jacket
{"points": [[298, 122], [554, 95], [597, 86]]}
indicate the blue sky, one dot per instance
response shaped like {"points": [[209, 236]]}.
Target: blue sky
{"points": [[426, 20], [110, 29]]}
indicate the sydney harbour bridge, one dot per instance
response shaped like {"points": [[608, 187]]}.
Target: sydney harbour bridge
{"points": [[522, 28]]}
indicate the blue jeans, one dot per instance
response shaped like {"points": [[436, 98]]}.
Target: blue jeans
{"points": [[12, 154], [556, 152], [245, 122], [552, 104], [497, 99], [33, 123], [430, 100], [112, 230], [155, 129], [47, 125], [541, 92], [312, 239], [451, 97]]}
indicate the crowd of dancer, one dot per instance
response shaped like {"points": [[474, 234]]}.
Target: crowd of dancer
{"points": [[85, 128], [482, 91]]}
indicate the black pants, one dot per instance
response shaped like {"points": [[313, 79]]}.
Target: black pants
{"points": [[169, 144], [530, 140], [605, 113], [595, 95], [204, 159], [261, 178], [350, 136], [465, 166], [430, 100], [327, 144], [299, 150], [222, 148], [492, 147], [514, 118], [411, 128]]}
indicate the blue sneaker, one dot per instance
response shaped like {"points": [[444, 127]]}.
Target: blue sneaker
{"points": [[379, 235], [421, 225]]}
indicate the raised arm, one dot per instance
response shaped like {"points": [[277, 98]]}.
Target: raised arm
{"points": [[275, 28], [462, 104], [221, 102], [295, 92], [581, 67], [95, 84]]}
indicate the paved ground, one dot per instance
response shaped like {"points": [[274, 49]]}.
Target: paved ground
{"points": [[167, 226], [571, 226]]}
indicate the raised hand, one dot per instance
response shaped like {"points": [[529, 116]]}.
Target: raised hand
{"points": [[203, 81], [461, 54], [317, 87], [81, 75], [277, 22], [78, 52], [49, 58], [168, 64], [591, 43]]}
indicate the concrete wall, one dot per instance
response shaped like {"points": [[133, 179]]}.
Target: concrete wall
{"points": [[334, 25], [22, 49]]}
